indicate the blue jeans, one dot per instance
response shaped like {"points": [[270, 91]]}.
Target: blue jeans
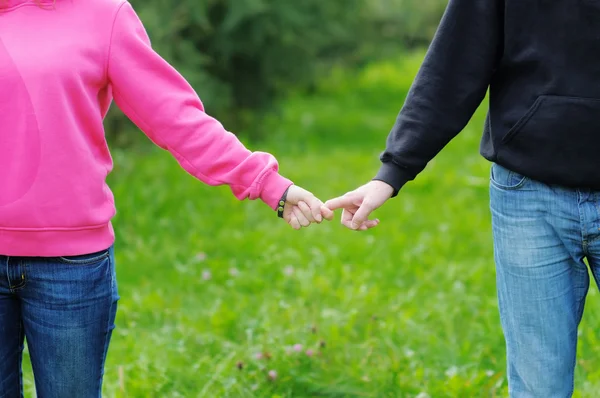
{"points": [[65, 308], [542, 235]]}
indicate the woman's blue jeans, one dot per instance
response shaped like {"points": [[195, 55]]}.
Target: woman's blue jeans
{"points": [[65, 308]]}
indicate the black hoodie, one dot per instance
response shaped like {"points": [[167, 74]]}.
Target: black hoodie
{"points": [[540, 60]]}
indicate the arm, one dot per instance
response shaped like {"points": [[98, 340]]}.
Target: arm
{"points": [[450, 85], [163, 105]]}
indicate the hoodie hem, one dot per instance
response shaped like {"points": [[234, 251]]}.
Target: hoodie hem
{"points": [[55, 243]]}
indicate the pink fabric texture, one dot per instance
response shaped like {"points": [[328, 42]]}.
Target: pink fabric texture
{"points": [[61, 66]]}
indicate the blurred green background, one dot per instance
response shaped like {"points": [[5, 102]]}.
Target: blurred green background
{"points": [[222, 299], [244, 56]]}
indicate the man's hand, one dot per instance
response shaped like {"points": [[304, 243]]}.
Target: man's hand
{"points": [[302, 208], [359, 204]]}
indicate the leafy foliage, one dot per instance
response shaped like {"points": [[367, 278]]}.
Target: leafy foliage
{"points": [[241, 55]]}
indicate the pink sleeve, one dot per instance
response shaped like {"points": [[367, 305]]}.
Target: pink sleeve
{"points": [[164, 105]]}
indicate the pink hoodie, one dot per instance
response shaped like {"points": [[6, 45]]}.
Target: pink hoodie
{"points": [[60, 67]]}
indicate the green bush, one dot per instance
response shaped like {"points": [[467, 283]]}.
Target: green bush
{"points": [[241, 55], [410, 22]]}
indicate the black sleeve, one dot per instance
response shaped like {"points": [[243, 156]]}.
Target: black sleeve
{"points": [[448, 89]]}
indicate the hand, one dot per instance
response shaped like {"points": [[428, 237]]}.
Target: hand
{"points": [[302, 208], [359, 204]]}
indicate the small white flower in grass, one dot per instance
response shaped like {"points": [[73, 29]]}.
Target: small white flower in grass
{"points": [[453, 371], [422, 395], [206, 275], [409, 353], [272, 374], [458, 285], [297, 347], [200, 257], [289, 270], [234, 272], [489, 373]]}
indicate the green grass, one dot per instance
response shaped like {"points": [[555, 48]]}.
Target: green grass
{"points": [[405, 310]]}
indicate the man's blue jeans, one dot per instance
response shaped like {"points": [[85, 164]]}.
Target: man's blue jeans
{"points": [[65, 308], [542, 234]]}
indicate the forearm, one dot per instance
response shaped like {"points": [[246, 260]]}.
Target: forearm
{"points": [[449, 87], [163, 104]]}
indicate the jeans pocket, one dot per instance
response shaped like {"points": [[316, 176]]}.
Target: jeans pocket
{"points": [[506, 179], [86, 259]]}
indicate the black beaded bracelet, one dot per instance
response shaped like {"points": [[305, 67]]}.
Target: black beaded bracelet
{"points": [[282, 203]]}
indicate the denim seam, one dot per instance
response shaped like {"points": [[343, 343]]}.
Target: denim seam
{"points": [[585, 247], [21, 341], [597, 203], [86, 261], [508, 188], [594, 239], [108, 322], [22, 282], [503, 187], [579, 311], [584, 241], [6, 271]]}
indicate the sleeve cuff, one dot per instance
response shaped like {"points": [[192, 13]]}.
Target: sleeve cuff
{"points": [[393, 175], [273, 187]]}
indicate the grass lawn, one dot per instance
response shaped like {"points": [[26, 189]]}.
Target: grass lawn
{"points": [[216, 293]]}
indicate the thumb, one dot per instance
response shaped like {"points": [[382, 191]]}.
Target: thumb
{"points": [[361, 215]]}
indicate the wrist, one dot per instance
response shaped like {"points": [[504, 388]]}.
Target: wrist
{"points": [[394, 176], [281, 203], [271, 188]]}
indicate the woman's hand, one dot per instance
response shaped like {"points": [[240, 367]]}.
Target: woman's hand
{"points": [[302, 208]]}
